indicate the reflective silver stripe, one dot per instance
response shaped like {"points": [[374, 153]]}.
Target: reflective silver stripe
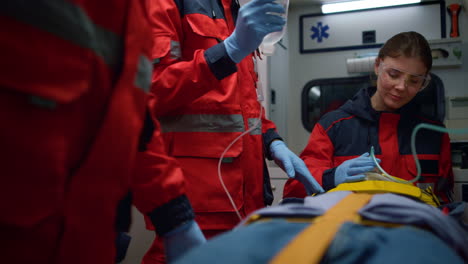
{"points": [[202, 123], [67, 21], [143, 74], [258, 129], [176, 53], [42, 102]]}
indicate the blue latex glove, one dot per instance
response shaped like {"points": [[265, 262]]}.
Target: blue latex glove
{"points": [[353, 170], [254, 21], [180, 240], [294, 166]]}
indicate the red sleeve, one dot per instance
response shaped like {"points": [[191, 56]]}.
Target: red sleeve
{"points": [[178, 78], [158, 177], [266, 123], [445, 160], [318, 157]]}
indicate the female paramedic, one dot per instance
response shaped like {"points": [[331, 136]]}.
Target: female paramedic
{"points": [[204, 80], [74, 88], [382, 117]]}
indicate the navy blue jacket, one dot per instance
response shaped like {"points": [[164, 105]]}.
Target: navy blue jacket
{"points": [[351, 130]]}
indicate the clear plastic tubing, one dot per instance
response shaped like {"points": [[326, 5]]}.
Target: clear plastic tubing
{"points": [[413, 147]]}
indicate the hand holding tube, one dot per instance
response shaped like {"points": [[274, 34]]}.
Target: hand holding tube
{"points": [[353, 170], [255, 20], [294, 166]]}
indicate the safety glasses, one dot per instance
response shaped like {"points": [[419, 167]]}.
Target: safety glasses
{"points": [[394, 76]]}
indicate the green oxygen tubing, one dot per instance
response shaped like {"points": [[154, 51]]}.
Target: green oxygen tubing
{"points": [[413, 149]]}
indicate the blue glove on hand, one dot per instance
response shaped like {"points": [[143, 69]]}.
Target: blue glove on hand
{"points": [[255, 20], [294, 166], [178, 241], [352, 170]]}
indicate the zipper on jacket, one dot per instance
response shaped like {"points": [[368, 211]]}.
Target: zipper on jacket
{"points": [[213, 13], [368, 137], [235, 6]]}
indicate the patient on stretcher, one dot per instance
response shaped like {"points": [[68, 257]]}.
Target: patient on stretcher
{"points": [[374, 221]]}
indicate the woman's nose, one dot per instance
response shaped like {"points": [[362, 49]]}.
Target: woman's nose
{"points": [[401, 83]]}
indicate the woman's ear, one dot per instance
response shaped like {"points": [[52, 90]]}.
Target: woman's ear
{"points": [[376, 66]]}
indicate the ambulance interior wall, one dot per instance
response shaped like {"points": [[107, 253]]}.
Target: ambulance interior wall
{"points": [[290, 70]]}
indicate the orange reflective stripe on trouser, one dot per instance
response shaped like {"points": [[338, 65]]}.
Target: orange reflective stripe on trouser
{"points": [[312, 243]]}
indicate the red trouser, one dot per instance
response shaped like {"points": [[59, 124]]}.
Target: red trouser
{"points": [[19, 244]]}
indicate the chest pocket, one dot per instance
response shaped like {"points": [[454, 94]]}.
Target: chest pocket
{"points": [[204, 135], [43, 79], [197, 141], [429, 173], [204, 31], [429, 167]]}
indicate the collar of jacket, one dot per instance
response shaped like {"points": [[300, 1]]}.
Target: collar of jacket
{"points": [[360, 105]]}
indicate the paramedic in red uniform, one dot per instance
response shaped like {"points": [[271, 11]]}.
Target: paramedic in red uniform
{"points": [[74, 81], [204, 80], [384, 118]]}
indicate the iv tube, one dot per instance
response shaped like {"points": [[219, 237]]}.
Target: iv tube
{"points": [[413, 147], [257, 123], [384, 173]]}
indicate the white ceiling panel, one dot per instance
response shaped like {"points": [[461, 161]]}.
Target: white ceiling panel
{"points": [[313, 2]]}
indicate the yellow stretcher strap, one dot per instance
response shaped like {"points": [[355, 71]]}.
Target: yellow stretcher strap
{"points": [[408, 189], [310, 245], [379, 187]]}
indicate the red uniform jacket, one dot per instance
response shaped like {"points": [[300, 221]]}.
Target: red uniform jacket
{"points": [[204, 102], [351, 130], [73, 95]]}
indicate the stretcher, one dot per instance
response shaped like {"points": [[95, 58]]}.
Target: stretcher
{"points": [[353, 223]]}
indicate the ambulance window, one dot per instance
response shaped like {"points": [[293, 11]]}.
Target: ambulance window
{"points": [[324, 95]]}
